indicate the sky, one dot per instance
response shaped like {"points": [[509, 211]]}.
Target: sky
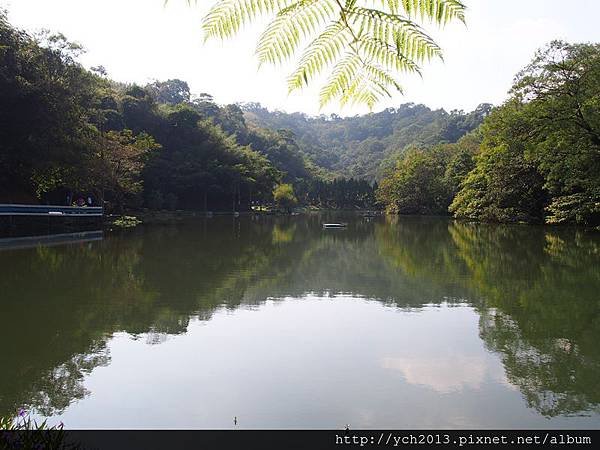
{"points": [[144, 40]]}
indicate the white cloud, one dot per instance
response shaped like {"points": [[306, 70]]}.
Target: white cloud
{"points": [[444, 374]]}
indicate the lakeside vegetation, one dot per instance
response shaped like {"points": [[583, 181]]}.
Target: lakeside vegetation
{"points": [[535, 159]]}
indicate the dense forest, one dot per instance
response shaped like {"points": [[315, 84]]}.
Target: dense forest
{"points": [[70, 130], [535, 159], [67, 130], [365, 146]]}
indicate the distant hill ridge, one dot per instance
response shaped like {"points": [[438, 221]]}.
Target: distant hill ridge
{"points": [[365, 146]]}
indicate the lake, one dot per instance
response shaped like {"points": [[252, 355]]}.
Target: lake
{"points": [[393, 322]]}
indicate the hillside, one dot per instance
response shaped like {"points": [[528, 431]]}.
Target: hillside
{"points": [[71, 132], [364, 146]]}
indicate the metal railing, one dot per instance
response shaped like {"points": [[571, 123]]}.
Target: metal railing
{"points": [[51, 210]]}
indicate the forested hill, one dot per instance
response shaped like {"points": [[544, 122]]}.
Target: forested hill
{"points": [[67, 131], [365, 146]]}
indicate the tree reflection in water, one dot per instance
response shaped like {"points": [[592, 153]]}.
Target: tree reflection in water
{"points": [[536, 290]]}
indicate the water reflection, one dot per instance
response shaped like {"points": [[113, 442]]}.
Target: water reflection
{"points": [[444, 375], [533, 290]]}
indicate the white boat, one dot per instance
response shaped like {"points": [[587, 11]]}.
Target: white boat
{"points": [[335, 225]]}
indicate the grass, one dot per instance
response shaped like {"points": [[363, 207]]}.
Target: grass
{"points": [[24, 432]]}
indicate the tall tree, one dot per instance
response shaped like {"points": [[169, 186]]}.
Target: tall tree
{"points": [[540, 158], [284, 196], [46, 96], [172, 92]]}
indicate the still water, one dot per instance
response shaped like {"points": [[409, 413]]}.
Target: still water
{"points": [[390, 323]]}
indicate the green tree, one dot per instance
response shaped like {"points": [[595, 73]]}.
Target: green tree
{"points": [[284, 196], [116, 172], [503, 187], [202, 166], [540, 158], [45, 137], [172, 92], [461, 162], [560, 91], [417, 184]]}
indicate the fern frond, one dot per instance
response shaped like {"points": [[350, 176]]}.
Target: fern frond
{"points": [[364, 89], [320, 53], [364, 47], [369, 86], [439, 11], [382, 78], [408, 36], [389, 56], [227, 17], [342, 77], [301, 20]]}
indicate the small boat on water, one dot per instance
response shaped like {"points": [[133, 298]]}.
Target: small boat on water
{"points": [[335, 225]]}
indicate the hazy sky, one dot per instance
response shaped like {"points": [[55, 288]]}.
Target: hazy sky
{"points": [[142, 40]]}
